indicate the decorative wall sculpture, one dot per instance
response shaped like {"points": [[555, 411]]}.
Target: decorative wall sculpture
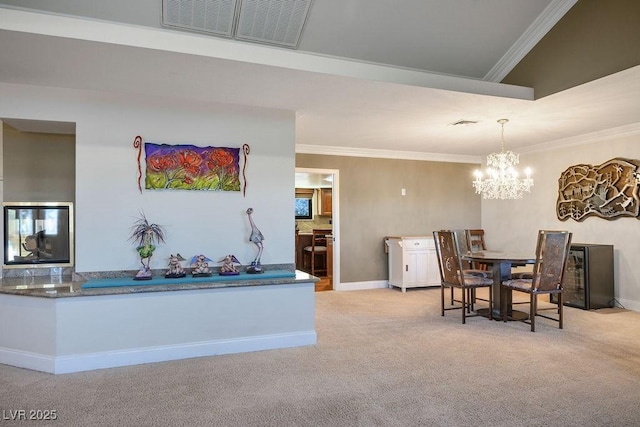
{"points": [[189, 167], [608, 191]]}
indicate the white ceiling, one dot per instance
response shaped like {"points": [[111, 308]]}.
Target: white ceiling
{"points": [[421, 65]]}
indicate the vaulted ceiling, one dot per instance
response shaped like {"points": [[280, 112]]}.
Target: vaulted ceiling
{"points": [[369, 77]]}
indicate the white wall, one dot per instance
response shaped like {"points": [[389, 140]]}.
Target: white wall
{"points": [[107, 196], [513, 224]]}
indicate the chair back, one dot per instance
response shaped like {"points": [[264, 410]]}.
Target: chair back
{"points": [[448, 252], [475, 240], [552, 253], [319, 239], [463, 247]]}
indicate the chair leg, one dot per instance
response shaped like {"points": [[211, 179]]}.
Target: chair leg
{"points": [[560, 304], [442, 298], [532, 311], [503, 305], [490, 305], [464, 305], [452, 296]]}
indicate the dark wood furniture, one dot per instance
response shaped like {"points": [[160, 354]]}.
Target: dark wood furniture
{"points": [[501, 263], [475, 240], [314, 256], [475, 243], [326, 201], [552, 251], [453, 277]]}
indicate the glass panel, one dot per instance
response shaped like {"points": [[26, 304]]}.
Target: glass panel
{"points": [[574, 292], [38, 234]]}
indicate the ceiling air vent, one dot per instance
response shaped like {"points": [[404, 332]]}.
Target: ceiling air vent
{"points": [[272, 21], [276, 22], [209, 16]]}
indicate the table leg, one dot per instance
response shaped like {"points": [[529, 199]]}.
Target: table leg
{"points": [[501, 272]]}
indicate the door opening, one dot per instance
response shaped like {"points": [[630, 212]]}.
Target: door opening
{"points": [[324, 184]]}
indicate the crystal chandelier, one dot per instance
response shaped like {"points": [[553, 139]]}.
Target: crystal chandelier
{"points": [[502, 180]]}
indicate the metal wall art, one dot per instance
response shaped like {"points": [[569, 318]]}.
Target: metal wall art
{"points": [[189, 167], [608, 191]]}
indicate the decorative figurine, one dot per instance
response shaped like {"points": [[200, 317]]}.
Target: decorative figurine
{"points": [[146, 235], [256, 238], [228, 268], [175, 268], [201, 266]]}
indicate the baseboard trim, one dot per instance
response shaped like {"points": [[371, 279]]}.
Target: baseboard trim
{"points": [[112, 359], [628, 304]]}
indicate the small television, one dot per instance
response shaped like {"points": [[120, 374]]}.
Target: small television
{"points": [[38, 234], [304, 208]]}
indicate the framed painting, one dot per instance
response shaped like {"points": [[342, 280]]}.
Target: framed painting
{"points": [[190, 167]]}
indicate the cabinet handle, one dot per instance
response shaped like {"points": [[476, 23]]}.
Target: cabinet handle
{"points": [[406, 267]]}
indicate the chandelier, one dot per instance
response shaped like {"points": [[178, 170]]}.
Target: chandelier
{"points": [[502, 180]]}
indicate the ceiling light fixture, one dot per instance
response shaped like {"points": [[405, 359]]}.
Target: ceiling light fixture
{"points": [[502, 180]]}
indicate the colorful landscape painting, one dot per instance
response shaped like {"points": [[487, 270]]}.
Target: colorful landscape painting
{"points": [[188, 167]]}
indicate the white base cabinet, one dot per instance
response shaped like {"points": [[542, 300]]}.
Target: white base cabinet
{"points": [[413, 262]]}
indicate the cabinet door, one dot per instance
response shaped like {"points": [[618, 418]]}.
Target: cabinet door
{"points": [[416, 273], [326, 206], [410, 276]]}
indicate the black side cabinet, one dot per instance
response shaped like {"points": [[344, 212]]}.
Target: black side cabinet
{"points": [[588, 281]]}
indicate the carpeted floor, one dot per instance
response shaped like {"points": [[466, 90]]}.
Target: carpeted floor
{"points": [[383, 358]]}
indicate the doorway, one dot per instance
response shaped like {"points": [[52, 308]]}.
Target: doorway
{"points": [[318, 179]]}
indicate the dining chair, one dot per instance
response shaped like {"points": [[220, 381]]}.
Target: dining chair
{"points": [[452, 275], [552, 252], [475, 242], [475, 239], [468, 267], [317, 251]]}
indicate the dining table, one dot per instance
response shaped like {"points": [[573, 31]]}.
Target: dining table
{"points": [[501, 264]]}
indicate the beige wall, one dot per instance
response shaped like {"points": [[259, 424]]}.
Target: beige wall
{"points": [[513, 224], [372, 207], [38, 167], [594, 39]]}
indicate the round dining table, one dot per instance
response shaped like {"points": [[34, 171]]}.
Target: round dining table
{"points": [[501, 264]]}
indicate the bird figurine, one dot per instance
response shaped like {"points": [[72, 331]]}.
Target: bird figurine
{"points": [[256, 238], [200, 265], [228, 268], [175, 268]]}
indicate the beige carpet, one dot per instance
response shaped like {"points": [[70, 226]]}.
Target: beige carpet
{"points": [[383, 358]]}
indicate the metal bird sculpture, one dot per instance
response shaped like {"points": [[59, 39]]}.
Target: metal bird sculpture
{"points": [[256, 238]]}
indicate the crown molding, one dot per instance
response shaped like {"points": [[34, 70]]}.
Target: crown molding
{"points": [[584, 139], [385, 154], [536, 31], [587, 138]]}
